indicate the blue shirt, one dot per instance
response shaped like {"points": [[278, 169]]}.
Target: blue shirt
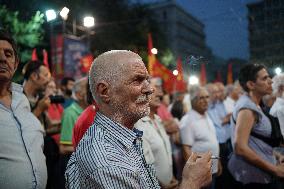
{"points": [[217, 112], [110, 156], [22, 162]]}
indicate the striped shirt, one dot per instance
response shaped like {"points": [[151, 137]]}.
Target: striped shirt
{"points": [[110, 156]]}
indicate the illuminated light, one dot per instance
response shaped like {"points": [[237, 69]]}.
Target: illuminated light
{"points": [[278, 70], [89, 21], [50, 15], [175, 72], [193, 80], [64, 13], [154, 51]]}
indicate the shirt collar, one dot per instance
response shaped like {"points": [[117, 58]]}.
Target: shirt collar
{"points": [[148, 119], [16, 87], [197, 115], [126, 136]]}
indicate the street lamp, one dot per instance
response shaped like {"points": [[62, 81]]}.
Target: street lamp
{"points": [[278, 70], [193, 80], [64, 13], [175, 72], [154, 51], [50, 15], [89, 21]]}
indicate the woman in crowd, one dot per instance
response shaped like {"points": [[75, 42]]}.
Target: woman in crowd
{"points": [[252, 163]]}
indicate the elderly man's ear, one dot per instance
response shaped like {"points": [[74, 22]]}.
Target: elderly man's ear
{"points": [[103, 91]]}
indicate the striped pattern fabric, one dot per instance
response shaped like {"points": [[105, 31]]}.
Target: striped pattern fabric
{"points": [[110, 156]]}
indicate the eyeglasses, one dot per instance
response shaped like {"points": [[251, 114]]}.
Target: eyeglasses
{"points": [[203, 97]]}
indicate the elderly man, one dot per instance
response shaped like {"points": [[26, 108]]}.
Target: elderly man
{"points": [[71, 114], [68, 121], [277, 110], [233, 93], [156, 142], [198, 132], [221, 121], [22, 162], [110, 153]]}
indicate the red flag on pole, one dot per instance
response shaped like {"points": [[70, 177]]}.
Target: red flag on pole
{"points": [[34, 55], [180, 84], [151, 56], [230, 74], [45, 58], [203, 79], [218, 77]]}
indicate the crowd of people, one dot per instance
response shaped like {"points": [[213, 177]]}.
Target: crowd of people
{"points": [[117, 128]]}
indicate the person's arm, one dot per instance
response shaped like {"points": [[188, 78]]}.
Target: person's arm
{"points": [[66, 149], [226, 119], [186, 149], [42, 105], [170, 126], [197, 172], [245, 121]]}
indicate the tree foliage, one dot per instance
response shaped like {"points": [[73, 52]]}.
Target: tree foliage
{"points": [[28, 34]]}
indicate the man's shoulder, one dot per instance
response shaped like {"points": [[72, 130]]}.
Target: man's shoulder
{"points": [[99, 149]]}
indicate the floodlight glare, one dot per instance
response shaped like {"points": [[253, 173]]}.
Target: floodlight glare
{"points": [[50, 15], [64, 13], [175, 72], [89, 21], [193, 80], [278, 70], [154, 51]]}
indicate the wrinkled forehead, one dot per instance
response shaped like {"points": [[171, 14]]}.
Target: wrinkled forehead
{"points": [[6, 45]]}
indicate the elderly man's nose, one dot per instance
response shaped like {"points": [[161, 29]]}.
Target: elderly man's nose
{"points": [[148, 90], [2, 55]]}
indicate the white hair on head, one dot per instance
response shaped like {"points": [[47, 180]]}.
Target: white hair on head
{"points": [[194, 92], [109, 67], [229, 89], [278, 81]]}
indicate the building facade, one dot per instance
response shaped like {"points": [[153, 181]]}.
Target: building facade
{"points": [[266, 32], [185, 34]]}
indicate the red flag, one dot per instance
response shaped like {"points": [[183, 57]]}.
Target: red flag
{"points": [[45, 58], [151, 56], [202, 78], [156, 69], [218, 77], [86, 63], [34, 55], [230, 74], [180, 84]]}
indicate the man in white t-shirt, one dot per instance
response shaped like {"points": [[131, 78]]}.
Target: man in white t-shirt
{"points": [[198, 132], [233, 93], [156, 142]]}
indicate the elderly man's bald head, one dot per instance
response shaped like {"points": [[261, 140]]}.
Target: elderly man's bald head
{"points": [[110, 67]]}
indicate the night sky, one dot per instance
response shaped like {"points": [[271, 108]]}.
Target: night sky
{"points": [[226, 25]]}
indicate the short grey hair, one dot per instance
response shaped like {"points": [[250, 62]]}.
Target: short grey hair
{"points": [[278, 81], [78, 86], [108, 67], [230, 87], [194, 92]]}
